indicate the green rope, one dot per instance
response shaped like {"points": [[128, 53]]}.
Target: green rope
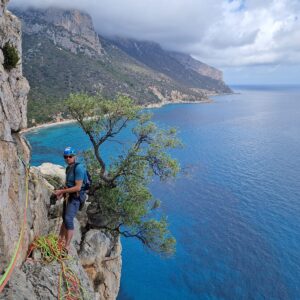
{"points": [[5, 277], [51, 250]]}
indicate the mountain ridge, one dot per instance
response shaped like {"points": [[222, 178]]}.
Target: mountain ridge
{"points": [[63, 54]]}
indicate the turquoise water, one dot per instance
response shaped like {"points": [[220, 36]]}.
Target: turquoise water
{"points": [[235, 210]]}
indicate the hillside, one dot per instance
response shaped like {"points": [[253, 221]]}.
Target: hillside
{"points": [[62, 54], [178, 66]]}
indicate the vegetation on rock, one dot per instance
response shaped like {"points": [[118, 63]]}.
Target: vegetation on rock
{"points": [[11, 56], [122, 201]]}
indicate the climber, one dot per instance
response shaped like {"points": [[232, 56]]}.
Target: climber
{"points": [[76, 178]]}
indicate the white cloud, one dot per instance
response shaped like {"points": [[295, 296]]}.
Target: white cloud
{"points": [[221, 32], [253, 35]]}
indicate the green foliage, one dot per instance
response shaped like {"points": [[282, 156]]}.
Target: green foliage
{"points": [[54, 73], [11, 56], [122, 198]]}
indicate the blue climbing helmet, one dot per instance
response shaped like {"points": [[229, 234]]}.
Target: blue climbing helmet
{"points": [[69, 151]]}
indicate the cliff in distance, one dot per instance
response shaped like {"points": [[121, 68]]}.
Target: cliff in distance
{"points": [[62, 54]]}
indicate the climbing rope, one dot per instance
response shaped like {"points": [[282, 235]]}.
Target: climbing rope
{"points": [[50, 247], [51, 250], [6, 276]]}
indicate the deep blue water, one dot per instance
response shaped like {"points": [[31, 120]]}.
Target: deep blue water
{"points": [[235, 210]]}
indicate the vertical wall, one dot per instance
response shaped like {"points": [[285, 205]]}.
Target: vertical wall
{"points": [[13, 106]]}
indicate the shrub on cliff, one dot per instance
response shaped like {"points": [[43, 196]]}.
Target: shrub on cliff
{"points": [[11, 56], [122, 201]]}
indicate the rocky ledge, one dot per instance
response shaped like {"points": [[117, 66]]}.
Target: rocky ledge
{"points": [[95, 254]]}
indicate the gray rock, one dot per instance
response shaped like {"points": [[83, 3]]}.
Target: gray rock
{"points": [[45, 278], [14, 153], [76, 31], [100, 257], [22, 288], [49, 170]]}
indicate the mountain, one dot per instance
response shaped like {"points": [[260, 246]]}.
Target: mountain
{"points": [[178, 66], [62, 54], [198, 66]]}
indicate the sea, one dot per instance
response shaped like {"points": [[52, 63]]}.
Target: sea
{"points": [[234, 209]]}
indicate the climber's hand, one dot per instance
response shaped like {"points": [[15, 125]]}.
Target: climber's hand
{"points": [[59, 193]]}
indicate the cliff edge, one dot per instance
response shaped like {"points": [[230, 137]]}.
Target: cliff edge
{"points": [[96, 254]]}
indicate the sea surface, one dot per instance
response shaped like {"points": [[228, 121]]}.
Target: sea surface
{"points": [[234, 209]]}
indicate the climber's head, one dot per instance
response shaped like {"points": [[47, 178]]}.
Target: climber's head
{"points": [[69, 155]]}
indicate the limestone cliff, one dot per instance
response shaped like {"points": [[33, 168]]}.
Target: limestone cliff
{"points": [[14, 152], [76, 32], [97, 259]]}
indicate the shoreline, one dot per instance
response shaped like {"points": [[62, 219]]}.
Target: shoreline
{"points": [[149, 106], [46, 125]]}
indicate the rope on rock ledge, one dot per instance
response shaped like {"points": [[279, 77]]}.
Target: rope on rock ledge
{"points": [[51, 250]]}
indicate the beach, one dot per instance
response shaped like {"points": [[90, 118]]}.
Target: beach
{"points": [[149, 106]]}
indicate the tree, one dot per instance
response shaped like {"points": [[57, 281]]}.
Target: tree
{"points": [[122, 201]]}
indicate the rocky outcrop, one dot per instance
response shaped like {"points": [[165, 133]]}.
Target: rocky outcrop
{"points": [[70, 29], [20, 185], [100, 257], [14, 152], [13, 86], [98, 251], [37, 280], [96, 255]]}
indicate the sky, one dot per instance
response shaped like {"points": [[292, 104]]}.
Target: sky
{"points": [[251, 41]]}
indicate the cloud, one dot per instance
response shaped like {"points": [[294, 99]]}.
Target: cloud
{"points": [[255, 35], [221, 32]]}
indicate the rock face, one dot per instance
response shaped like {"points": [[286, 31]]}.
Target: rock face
{"points": [[96, 255], [13, 86], [14, 152], [20, 185], [98, 251], [100, 257], [76, 32]]}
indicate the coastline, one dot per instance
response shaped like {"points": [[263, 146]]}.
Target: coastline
{"points": [[149, 106], [163, 103], [46, 125]]}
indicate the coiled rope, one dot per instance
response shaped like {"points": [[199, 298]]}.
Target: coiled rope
{"points": [[51, 250]]}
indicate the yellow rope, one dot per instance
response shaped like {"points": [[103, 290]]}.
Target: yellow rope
{"points": [[5, 277], [51, 250]]}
